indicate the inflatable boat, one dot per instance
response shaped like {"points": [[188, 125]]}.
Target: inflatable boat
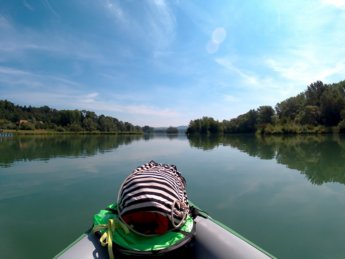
{"points": [[212, 240]]}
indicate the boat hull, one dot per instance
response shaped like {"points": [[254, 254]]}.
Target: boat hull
{"points": [[212, 240]]}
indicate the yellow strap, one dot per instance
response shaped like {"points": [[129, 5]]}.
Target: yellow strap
{"points": [[107, 237]]}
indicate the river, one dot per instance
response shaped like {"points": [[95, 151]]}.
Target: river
{"points": [[286, 194]]}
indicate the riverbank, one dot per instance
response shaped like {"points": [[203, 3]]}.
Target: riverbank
{"points": [[52, 132], [297, 129]]}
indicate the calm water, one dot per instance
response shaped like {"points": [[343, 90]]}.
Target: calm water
{"points": [[285, 194]]}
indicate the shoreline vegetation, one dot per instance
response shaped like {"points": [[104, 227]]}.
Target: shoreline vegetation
{"points": [[318, 110], [54, 132], [23, 120], [45, 120]]}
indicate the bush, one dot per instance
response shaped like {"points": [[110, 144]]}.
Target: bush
{"points": [[75, 127], [341, 127], [60, 129], [293, 128], [6, 124], [270, 129], [27, 126]]}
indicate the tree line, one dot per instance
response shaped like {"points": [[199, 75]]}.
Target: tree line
{"points": [[15, 117], [319, 109]]}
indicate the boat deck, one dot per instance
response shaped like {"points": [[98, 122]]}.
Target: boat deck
{"points": [[212, 241]]}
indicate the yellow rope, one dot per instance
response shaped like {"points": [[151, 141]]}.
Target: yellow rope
{"points": [[107, 237]]}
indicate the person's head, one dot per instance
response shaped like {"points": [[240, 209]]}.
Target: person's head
{"points": [[152, 200]]}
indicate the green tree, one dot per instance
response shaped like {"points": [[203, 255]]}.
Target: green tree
{"points": [[172, 130], [265, 115], [314, 92], [68, 117], [89, 124], [47, 118], [148, 129], [331, 104], [205, 125], [106, 124], [310, 115], [288, 110]]}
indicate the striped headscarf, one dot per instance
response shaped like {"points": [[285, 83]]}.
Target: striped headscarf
{"points": [[157, 188]]}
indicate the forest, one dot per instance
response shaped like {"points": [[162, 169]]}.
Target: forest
{"points": [[15, 117], [319, 109]]}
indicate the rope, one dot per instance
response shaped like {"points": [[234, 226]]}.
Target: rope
{"points": [[107, 237], [174, 211]]}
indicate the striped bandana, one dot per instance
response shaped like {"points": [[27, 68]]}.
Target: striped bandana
{"points": [[155, 187]]}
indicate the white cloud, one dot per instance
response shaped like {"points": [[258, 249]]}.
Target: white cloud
{"points": [[154, 25], [61, 93], [29, 88], [4, 23], [306, 65], [13, 71], [248, 78], [113, 107], [115, 9], [251, 89], [138, 114], [336, 3], [48, 5], [162, 23], [16, 77], [28, 45], [28, 6], [90, 98], [315, 49]]}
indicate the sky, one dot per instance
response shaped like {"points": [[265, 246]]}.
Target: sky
{"points": [[165, 63]]}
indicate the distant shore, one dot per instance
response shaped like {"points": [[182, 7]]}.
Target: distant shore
{"points": [[52, 132]]}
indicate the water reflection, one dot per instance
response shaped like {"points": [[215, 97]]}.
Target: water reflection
{"points": [[27, 148], [320, 158], [205, 142], [161, 135]]}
